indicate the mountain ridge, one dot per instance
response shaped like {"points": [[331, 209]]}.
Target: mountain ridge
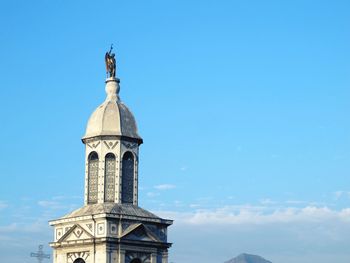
{"points": [[248, 258]]}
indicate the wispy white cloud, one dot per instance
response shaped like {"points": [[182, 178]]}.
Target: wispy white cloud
{"points": [[267, 201], [264, 227], [37, 226], [8, 228], [66, 197], [28, 222], [50, 205], [19, 238], [233, 215], [46, 203], [178, 203], [152, 194], [61, 202], [164, 186], [281, 235], [296, 202]]}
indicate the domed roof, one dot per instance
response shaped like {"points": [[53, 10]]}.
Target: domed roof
{"points": [[112, 117]]}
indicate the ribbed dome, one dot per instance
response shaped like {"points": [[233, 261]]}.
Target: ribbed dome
{"points": [[112, 117]]}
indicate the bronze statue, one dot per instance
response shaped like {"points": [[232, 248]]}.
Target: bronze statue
{"points": [[110, 63]]}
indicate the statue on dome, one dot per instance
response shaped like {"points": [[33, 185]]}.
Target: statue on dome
{"points": [[110, 63]]}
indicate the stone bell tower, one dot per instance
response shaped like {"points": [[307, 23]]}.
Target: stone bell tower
{"points": [[111, 227], [111, 152]]}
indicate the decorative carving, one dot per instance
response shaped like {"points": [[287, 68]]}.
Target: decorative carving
{"points": [[163, 234], [159, 232], [106, 144], [59, 232], [89, 227], [71, 257], [113, 229], [100, 228], [114, 145], [110, 145], [94, 145], [143, 257], [130, 145], [78, 232]]}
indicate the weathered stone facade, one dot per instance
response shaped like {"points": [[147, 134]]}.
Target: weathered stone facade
{"points": [[111, 228]]}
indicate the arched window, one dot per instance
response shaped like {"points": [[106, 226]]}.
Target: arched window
{"points": [[92, 178], [128, 178], [109, 177], [79, 260]]}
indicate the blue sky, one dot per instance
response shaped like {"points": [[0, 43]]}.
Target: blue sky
{"points": [[243, 107]]}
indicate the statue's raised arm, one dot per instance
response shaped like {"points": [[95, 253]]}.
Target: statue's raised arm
{"points": [[110, 63]]}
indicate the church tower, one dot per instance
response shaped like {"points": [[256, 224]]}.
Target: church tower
{"points": [[111, 152], [111, 227]]}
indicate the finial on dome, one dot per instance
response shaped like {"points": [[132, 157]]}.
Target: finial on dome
{"points": [[110, 63], [112, 89]]}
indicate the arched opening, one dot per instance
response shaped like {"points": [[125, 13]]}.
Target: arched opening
{"points": [[128, 178], [136, 260], [92, 178], [109, 177], [79, 260]]}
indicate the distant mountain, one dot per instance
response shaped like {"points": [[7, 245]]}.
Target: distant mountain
{"points": [[246, 258]]}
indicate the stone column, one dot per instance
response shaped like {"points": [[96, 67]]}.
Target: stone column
{"points": [[121, 256], [165, 257], [153, 258]]}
